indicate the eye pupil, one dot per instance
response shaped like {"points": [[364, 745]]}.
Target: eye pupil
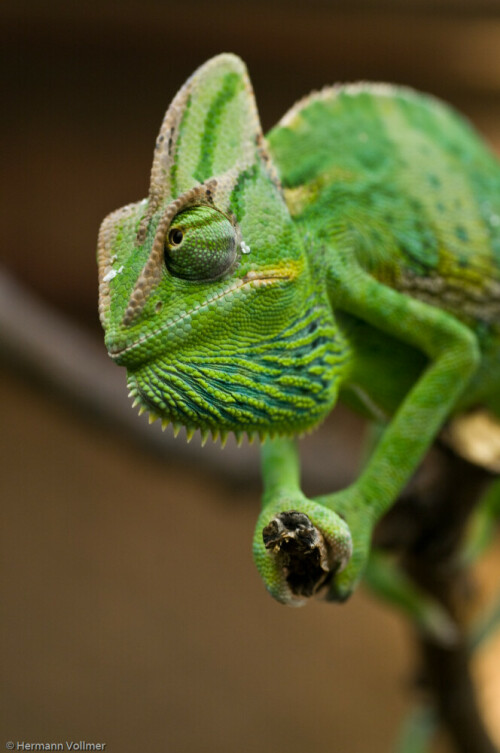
{"points": [[175, 236]]}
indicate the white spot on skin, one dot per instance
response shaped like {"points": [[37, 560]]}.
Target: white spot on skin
{"points": [[244, 248], [112, 273]]}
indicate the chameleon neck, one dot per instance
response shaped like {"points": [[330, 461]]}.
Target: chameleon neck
{"points": [[282, 383]]}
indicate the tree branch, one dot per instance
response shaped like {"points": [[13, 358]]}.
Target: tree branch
{"points": [[427, 527]]}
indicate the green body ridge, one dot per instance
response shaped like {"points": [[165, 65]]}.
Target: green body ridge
{"points": [[353, 253]]}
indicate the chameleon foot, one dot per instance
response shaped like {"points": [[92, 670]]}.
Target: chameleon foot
{"points": [[298, 546], [300, 550]]}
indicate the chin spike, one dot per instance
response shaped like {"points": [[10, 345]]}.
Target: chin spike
{"points": [[223, 438], [152, 418], [189, 434], [164, 423], [136, 402], [177, 428], [215, 434], [239, 438], [142, 409], [132, 393], [250, 437], [204, 436]]}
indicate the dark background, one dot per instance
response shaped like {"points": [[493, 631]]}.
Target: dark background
{"points": [[131, 610]]}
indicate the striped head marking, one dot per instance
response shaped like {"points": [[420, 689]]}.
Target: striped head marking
{"points": [[200, 284]]}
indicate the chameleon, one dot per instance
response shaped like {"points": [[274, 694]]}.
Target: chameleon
{"points": [[352, 254]]}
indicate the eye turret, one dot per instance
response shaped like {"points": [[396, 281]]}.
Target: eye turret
{"points": [[200, 244]]}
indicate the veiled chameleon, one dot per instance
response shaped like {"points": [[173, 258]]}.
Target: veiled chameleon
{"points": [[354, 253]]}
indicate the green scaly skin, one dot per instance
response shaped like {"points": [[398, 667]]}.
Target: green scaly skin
{"points": [[354, 254]]}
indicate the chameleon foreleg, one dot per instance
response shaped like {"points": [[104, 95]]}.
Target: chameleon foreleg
{"points": [[453, 355], [298, 543]]}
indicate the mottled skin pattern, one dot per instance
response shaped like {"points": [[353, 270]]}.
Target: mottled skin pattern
{"points": [[355, 253]]}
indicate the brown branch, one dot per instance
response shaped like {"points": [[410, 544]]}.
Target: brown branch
{"points": [[427, 527]]}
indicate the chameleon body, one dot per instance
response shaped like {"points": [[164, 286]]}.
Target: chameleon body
{"points": [[353, 254]]}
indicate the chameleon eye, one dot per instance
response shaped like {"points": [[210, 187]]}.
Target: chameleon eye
{"points": [[175, 236], [200, 245]]}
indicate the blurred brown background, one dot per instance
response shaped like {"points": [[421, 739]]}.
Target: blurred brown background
{"points": [[131, 610]]}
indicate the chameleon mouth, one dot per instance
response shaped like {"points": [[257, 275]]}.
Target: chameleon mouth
{"points": [[251, 279]]}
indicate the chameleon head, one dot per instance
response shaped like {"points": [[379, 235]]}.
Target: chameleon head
{"points": [[205, 291]]}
